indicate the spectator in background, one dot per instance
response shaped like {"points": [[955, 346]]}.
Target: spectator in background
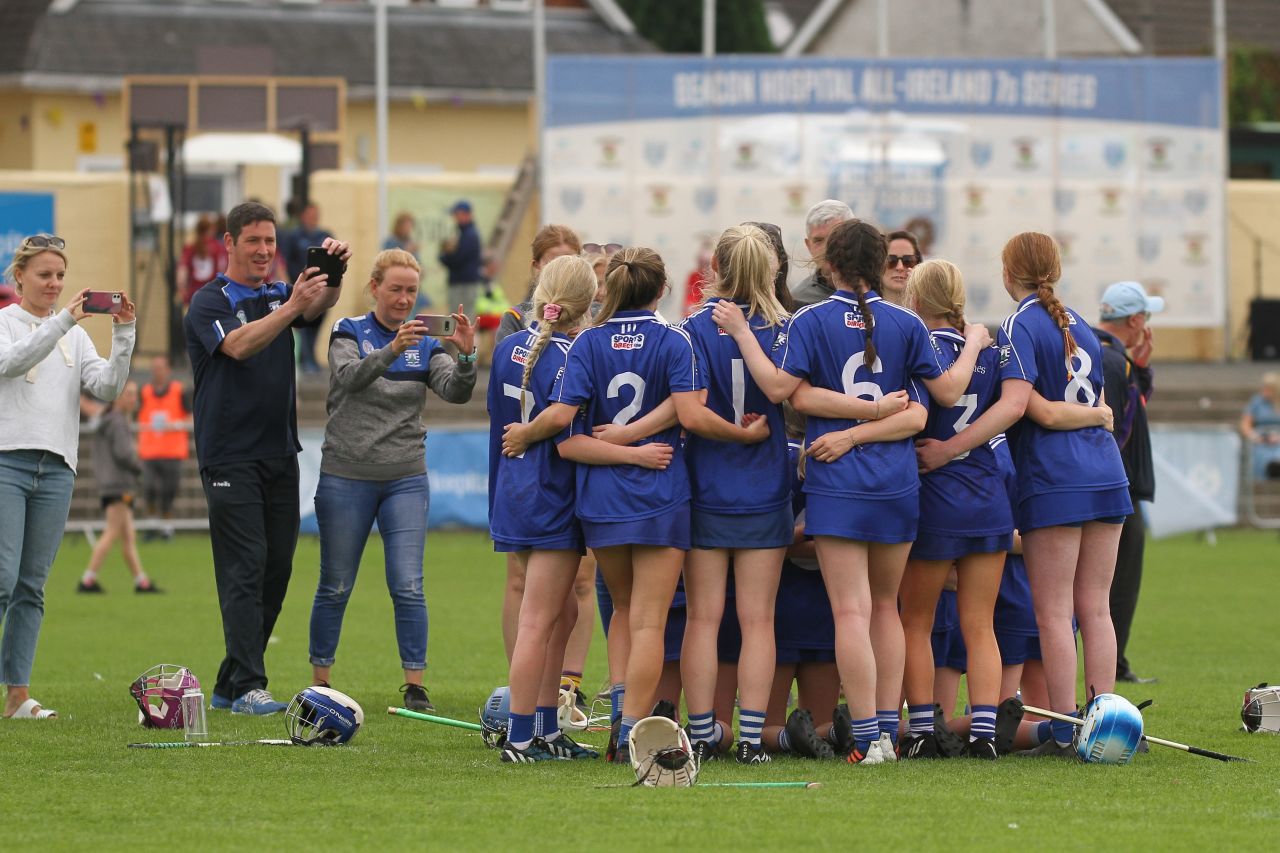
{"points": [[904, 254], [115, 469], [202, 259], [819, 222], [401, 236], [698, 278], [1126, 358], [294, 244], [8, 295], [463, 257], [46, 360], [1260, 426], [164, 421]]}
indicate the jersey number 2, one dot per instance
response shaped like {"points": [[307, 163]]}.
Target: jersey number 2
{"points": [[628, 380]]}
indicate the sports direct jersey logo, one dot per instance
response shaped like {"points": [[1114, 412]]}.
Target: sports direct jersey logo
{"points": [[520, 356], [628, 342], [853, 320]]}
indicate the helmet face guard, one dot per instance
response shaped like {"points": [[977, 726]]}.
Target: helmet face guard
{"points": [[322, 716], [661, 754], [1111, 732], [1261, 709], [158, 692]]}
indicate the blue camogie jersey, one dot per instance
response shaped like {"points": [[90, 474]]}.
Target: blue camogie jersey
{"points": [[825, 344], [1049, 460], [530, 496], [965, 497], [725, 476], [414, 364], [620, 371]]}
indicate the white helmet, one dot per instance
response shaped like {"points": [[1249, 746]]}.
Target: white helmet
{"points": [[1111, 732], [568, 714], [158, 692], [661, 754], [1261, 709]]}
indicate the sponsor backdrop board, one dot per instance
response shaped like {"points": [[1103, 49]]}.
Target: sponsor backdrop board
{"points": [[1121, 160], [21, 215]]}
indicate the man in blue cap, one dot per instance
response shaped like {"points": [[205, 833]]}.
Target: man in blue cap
{"points": [[463, 258], [1126, 357]]}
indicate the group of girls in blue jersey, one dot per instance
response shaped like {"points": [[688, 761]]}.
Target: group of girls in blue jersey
{"points": [[662, 448]]}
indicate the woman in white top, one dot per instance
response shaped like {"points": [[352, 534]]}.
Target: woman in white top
{"points": [[46, 359]]}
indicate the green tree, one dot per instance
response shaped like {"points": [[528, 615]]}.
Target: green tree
{"points": [[1253, 85], [676, 25]]}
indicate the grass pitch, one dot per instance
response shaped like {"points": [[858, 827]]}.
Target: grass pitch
{"points": [[1206, 627]]}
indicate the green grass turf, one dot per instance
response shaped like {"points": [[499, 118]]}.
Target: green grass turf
{"points": [[1202, 628]]}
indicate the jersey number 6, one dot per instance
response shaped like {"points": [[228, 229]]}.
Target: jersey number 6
{"points": [[860, 389]]}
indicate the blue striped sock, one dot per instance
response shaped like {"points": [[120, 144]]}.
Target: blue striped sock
{"points": [[548, 726], [624, 733], [616, 694], [983, 722], [784, 741], [920, 718], [702, 727], [888, 722], [1063, 733], [520, 730], [750, 724], [1044, 731], [864, 732]]}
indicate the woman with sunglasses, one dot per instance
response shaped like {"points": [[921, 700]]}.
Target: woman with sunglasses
{"points": [[904, 254], [46, 359]]}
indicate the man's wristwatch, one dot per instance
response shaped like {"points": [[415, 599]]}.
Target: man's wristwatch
{"points": [[469, 358]]}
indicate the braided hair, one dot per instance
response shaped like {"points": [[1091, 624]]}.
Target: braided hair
{"points": [[563, 295], [856, 252], [1032, 262]]}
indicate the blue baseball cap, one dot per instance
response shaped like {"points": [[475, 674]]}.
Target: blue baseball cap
{"points": [[1126, 298], [461, 204]]}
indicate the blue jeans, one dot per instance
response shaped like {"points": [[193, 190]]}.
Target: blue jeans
{"points": [[35, 495], [345, 511]]}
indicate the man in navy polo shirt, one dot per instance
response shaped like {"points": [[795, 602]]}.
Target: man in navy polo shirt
{"points": [[246, 431]]}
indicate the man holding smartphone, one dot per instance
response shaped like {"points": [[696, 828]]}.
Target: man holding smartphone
{"points": [[246, 431]]}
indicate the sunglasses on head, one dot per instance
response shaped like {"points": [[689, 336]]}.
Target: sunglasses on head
{"points": [[908, 261], [44, 241], [601, 248]]}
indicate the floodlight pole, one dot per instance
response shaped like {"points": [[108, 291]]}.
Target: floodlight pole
{"points": [[1050, 30], [380, 86], [1220, 51], [708, 29], [882, 29]]}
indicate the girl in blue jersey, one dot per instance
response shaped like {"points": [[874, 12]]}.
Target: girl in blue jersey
{"points": [[636, 521], [965, 520], [531, 498], [741, 498], [1072, 491], [854, 349]]}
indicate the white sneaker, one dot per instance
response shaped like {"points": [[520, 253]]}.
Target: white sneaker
{"points": [[887, 750], [874, 755]]}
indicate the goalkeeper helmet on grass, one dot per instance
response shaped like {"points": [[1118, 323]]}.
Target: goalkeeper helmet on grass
{"points": [[661, 754], [1111, 732], [158, 692], [1261, 709]]}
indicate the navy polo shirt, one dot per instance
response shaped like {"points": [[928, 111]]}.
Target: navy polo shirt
{"points": [[243, 410]]}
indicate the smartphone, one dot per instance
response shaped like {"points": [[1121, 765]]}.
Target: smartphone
{"points": [[102, 302], [331, 265], [438, 325]]}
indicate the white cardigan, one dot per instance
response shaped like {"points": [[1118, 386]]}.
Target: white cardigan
{"points": [[44, 364]]}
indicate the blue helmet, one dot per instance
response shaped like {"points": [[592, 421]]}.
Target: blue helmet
{"points": [[494, 714], [1111, 732], [322, 715]]}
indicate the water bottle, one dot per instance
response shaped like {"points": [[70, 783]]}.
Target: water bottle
{"points": [[195, 726]]}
